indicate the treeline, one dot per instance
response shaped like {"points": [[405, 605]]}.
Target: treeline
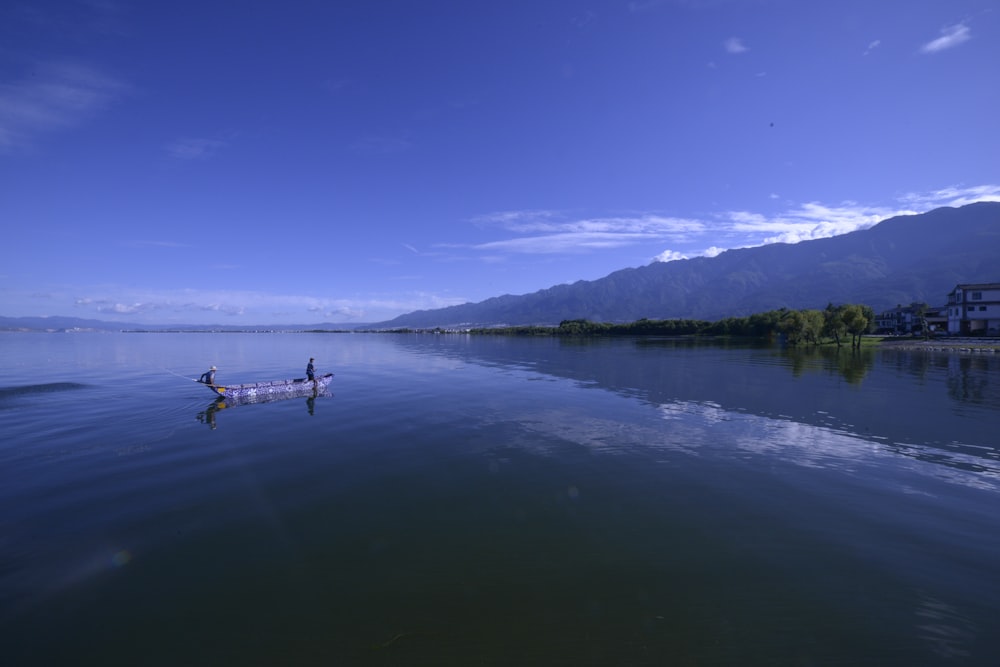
{"points": [[839, 324]]}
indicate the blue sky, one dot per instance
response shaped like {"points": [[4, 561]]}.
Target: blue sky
{"points": [[350, 161]]}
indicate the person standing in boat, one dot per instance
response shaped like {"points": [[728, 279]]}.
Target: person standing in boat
{"points": [[311, 370], [208, 377]]}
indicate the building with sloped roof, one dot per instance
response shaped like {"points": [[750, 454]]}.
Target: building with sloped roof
{"points": [[974, 309]]}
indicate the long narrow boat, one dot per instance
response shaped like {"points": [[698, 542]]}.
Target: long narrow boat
{"points": [[299, 386]]}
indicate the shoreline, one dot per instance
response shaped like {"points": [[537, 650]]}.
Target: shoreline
{"points": [[969, 345]]}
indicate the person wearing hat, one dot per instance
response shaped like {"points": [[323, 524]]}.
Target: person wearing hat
{"points": [[208, 377]]}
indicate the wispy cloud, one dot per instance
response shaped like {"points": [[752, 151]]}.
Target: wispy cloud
{"points": [[533, 232], [957, 195], [543, 232], [381, 145], [951, 36], [872, 46], [155, 244], [583, 19], [644, 5], [249, 307], [814, 220], [735, 45], [109, 306], [150, 303], [809, 221], [194, 148], [54, 96]]}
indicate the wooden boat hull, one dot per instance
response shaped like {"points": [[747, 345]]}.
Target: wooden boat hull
{"points": [[274, 388]]}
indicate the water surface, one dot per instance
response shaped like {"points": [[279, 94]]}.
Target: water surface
{"points": [[495, 501]]}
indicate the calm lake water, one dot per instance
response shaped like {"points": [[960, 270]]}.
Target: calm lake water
{"points": [[464, 500]]}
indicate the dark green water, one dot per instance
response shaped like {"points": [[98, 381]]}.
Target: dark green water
{"points": [[480, 501]]}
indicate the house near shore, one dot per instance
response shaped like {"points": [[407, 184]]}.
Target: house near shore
{"points": [[974, 309], [901, 319]]}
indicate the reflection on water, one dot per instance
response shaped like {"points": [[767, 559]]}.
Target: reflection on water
{"points": [[498, 502], [881, 395], [946, 629], [207, 416], [969, 378], [826, 446], [852, 365]]}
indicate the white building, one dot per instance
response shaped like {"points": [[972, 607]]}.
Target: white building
{"points": [[901, 319], [974, 310]]}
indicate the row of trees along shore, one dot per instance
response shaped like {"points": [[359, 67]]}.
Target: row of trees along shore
{"points": [[839, 324]]}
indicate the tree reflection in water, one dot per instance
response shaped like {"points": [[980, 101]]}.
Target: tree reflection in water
{"points": [[852, 364]]}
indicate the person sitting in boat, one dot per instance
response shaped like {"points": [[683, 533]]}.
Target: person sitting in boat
{"points": [[311, 370], [208, 377]]}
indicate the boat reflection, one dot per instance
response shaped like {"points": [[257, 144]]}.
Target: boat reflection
{"points": [[207, 416]]}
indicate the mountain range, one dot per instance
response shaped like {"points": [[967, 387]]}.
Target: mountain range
{"points": [[901, 260], [58, 323]]}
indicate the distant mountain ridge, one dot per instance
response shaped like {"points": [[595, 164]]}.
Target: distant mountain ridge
{"points": [[898, 261], [66, 324]]}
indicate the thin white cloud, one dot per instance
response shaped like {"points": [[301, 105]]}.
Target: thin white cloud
{"points": [[584, 19], [249, 307], [645, 5], [194, 149], [549, 221], [56, 96], [809, 221], [155, 244], [111, 306], [952, 196], [335, 85], [536, 233], [814, 220], [544, 232], [951, 36], [564, 243], [512, 219], [872, 46], [381, 145], [735, 45]]}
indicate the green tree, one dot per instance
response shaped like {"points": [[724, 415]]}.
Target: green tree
{"points": [[790, 325], [812, 325], [833, 323], [801, 326], [856, 322]]}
